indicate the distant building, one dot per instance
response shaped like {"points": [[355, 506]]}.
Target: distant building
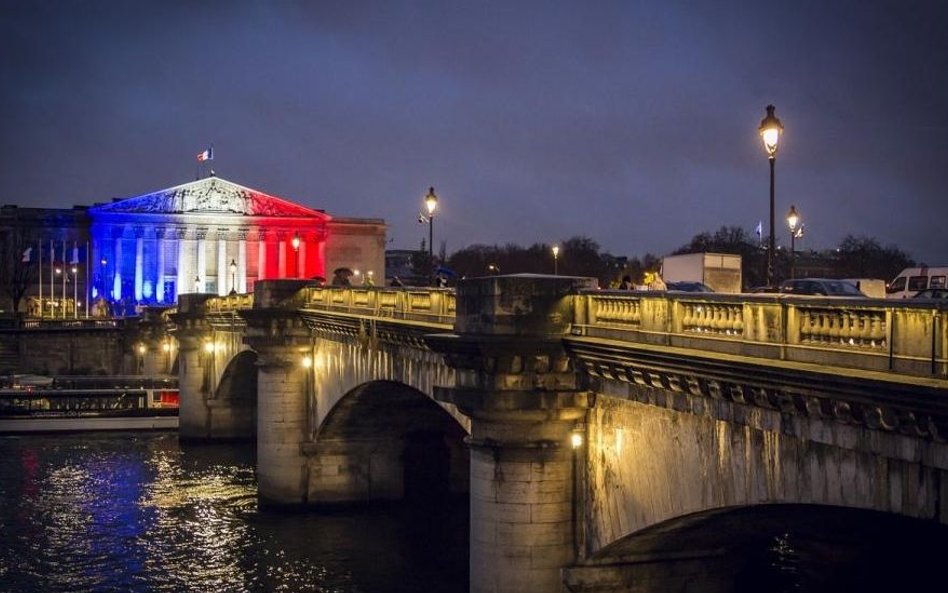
{"points": [[208, 236]]}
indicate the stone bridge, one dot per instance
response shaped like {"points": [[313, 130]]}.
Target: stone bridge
{"points": [[610, 441]]}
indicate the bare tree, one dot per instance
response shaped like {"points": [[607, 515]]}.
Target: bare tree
{"points": [[17, 265]]}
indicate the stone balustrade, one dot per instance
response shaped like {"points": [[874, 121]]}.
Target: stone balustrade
{"points": [[867, 334], [426, 305]]}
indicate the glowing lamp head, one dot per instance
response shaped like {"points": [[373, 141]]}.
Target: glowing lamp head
{"points": [[209, 347], [793, 218], [307, 362], [166, 347], [233, 266], [556, 251], [142, 349], [576, 440], [431, 202], [296, 242], [770, 130]]}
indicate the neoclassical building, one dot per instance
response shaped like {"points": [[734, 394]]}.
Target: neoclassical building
{"points": [[209, 236]]}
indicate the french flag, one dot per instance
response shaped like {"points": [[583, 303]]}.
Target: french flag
{"points": [[207, 155]]}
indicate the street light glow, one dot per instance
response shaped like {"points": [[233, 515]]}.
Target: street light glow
{"points": [[770, 130], [576, 440], [431, 202]]}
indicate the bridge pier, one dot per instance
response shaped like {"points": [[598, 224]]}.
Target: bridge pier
{"points": [[525, 401]]}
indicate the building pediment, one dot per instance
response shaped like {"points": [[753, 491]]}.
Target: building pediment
{"points": [[211, 195]]}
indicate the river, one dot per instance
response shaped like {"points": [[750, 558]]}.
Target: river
{"points": [[139, 512]]}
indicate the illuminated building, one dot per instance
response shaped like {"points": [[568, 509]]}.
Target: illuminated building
{"points": [[146, 250]]}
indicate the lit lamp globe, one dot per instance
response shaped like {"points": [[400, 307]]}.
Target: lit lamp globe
{"points": [[770, 130], [793, 218]]}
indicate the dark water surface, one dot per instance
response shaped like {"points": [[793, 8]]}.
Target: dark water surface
{"points": [[138, 512]]}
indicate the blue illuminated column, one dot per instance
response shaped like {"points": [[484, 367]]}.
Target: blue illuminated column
{"points": [[117, 267], [139, 262]]}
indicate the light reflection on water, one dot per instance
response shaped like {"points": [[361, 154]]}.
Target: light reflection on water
{"points": [[137, 512]]}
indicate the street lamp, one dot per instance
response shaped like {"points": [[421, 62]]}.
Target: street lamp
{"points": [[296, 255], [233, 277], [431, 203], [75, 293], [166, 347], [493, 269], [770, 130], [197, 284], [59, 272], [793, 219], [556, 255]]}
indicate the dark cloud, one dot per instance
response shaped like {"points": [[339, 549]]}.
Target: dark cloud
{"points": [[631, 122]]}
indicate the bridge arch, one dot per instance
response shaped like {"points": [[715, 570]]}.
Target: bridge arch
{"points": [[385, 440], [771, 547]]}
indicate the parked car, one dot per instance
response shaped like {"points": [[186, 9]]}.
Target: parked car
{"points": [[932, 294], [821, 287], [688, 286]]}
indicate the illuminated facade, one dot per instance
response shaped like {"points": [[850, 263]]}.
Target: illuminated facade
{"points": [[209, 236]]}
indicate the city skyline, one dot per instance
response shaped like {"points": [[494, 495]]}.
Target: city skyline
{"points": [[633, 125]]}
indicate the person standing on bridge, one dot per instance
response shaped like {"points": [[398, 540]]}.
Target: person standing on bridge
{"points": [[626, 283]]}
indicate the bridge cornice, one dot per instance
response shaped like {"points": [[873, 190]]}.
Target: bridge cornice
{"points": [[876, 400]]}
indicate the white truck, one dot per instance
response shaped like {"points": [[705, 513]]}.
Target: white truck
{"points": [[720, 271]]}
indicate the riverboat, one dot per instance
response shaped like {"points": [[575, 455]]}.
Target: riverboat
{"points": [[36, 403]]}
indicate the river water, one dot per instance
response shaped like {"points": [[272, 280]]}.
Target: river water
{"points": [[138, 512]]}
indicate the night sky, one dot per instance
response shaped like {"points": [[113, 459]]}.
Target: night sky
{"points": [[633, 123]]}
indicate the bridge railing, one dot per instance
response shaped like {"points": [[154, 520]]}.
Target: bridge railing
{"points": [[229, 303], [869, 334], [427, 305]]}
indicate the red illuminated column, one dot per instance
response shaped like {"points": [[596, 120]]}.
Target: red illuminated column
{"points": [[261, 255], [301, 259], [281, 262]]}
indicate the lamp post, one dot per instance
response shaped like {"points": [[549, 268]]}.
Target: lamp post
{"points": [[142, 349], [233, 277], [556, 255], [296, 255], [431, 203], [75, 292], [197, 284], [770, 130], [793, 219], [59, 272], [166, 347], [493, 269]]}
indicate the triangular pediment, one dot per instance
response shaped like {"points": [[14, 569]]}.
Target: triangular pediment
{"points": [[210, 195]]}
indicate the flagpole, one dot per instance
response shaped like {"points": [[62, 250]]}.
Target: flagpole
{"points": [[87, 291], [52, 281], [40, 274], [64, 279]]}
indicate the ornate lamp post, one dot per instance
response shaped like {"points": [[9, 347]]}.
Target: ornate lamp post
{"points": [[431, 203], [233, 277], [770, 130], [556, 256], [296, 255], [793, 219]]}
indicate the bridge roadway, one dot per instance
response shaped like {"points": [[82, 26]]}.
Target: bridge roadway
{"points": [[609, 441]]}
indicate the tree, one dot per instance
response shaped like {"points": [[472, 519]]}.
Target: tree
{"points": [[17, 265], [864, 257]]}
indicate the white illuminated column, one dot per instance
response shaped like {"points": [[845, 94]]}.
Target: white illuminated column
{"points": [[201, 271], [222, 287], [117, 266], [242, 264], [160, 271]]}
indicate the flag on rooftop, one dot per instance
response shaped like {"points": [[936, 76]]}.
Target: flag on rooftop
{"points": [[207, 155], [27, 254], [760, 228]]}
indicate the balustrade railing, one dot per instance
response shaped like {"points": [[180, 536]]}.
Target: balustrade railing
{"points": [[425, 305], [868, 334]]}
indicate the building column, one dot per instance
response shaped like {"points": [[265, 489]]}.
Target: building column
{"points": [[184, 282], [117, 267], [200, 274], [223, 274], [301, 259], [160, 265], [242, 261], [525, 401], [139, 262], [261, 255], [281, 251]]}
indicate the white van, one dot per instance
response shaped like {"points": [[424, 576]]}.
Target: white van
{"points": [[911, 280]]}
